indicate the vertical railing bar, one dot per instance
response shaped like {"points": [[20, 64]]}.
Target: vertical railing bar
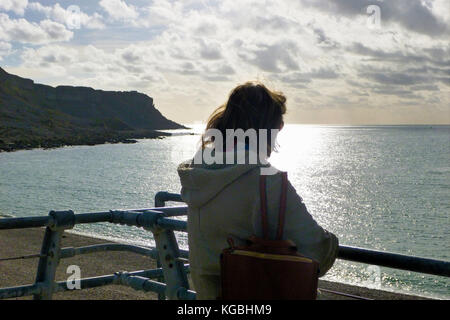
{"points": [[174, 273], [160, 203], [48, 263], [51, 251]]}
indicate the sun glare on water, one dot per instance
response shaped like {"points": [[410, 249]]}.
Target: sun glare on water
{"points": [[296, 146]]}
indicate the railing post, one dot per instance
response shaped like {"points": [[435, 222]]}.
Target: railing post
{"points": [[51, 250], [159, 203], [167, 247]]}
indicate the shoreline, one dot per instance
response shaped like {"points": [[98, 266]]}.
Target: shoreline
{"points": [[99, 138], [16, 242], [56, 144]]}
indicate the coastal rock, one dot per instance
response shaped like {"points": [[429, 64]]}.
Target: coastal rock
{"points": [[33, 115]]}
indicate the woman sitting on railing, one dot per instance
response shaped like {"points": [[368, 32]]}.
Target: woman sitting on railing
{"points": [[223, 194]]}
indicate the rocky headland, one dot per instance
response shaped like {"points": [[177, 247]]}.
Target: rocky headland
{"points": [[40, 116]]}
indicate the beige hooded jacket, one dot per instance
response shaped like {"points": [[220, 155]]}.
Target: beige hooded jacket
{"points": [[223, 200]]}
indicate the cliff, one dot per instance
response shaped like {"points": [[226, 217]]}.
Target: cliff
{"points": [[34, 115]]}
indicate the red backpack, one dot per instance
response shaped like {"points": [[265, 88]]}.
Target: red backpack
{"points": [[265, 268]]}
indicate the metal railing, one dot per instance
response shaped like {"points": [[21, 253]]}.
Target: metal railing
{"points": [[171, 272], [171, 260]]}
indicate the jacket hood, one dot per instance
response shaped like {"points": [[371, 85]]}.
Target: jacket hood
{"points": [[202, 182]]}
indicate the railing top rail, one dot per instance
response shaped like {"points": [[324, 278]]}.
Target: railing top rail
{"points": [[81, 218]]}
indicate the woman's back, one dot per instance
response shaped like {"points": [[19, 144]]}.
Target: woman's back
{"points": [[224, 201]]}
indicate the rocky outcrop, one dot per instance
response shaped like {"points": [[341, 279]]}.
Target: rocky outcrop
{"points": [[45, 113]]}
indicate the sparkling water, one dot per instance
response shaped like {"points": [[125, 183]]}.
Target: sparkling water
{"points": [[378, 187]]}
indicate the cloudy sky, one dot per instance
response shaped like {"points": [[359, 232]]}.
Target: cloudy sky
{"points": [[338, 62]]}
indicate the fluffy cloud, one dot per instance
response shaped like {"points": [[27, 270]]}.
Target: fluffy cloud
{"points": [[119, 10], [414, 15], [119, 69], [64, 16], [16, 6], [20, 30], [274, 58]]}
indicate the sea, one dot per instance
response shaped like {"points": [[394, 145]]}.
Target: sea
{"points": [[378, 187]]}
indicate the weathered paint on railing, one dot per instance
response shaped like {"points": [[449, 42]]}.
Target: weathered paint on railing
{"points": [[167, 251]]}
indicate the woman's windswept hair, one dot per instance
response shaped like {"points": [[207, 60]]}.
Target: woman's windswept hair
{"points": [[250, 106]]}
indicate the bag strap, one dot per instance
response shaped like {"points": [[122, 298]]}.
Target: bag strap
{"points": [[282, 209], [263, 201]]}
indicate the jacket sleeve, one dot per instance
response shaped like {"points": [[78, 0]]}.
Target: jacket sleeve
{"points": [[311, 239]]}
